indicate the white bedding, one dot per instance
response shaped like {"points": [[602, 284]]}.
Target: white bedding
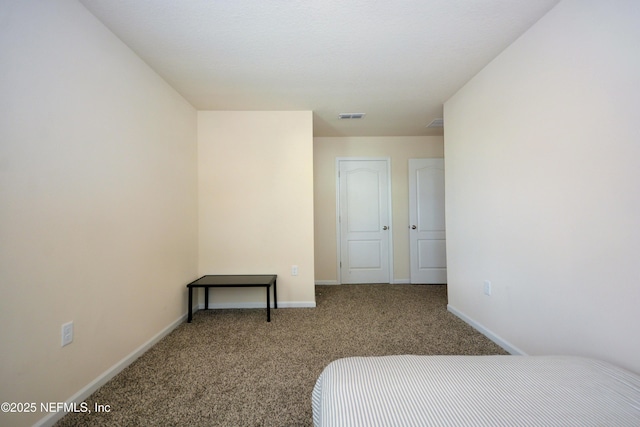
{"points": [[475, 391]]}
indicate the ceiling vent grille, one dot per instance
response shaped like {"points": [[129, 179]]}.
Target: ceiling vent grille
{"points": [[351, 115], [436, 123]]}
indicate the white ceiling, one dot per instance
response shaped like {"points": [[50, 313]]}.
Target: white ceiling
{"points": [[396, 61]]}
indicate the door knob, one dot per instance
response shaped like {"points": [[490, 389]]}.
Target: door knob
{"points": [[385, 228], [413, 227]]}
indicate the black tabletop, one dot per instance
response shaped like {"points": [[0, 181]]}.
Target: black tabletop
{"points": [[234, 280]]}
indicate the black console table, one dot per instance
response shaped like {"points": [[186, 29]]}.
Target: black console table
{"points": [[233, 281]]}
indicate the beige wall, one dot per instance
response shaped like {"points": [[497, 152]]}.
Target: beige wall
{"points": [[98, 202], [399, 150], [256, 202], [542, 169]]}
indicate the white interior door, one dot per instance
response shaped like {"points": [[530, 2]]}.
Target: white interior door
{"points": [[364, 218], [427, 234]]}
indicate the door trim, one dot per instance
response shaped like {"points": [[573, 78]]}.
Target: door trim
{"points": [[390, 198]]}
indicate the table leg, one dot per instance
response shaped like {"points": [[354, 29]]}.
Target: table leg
{"points": [[275, 296], [206, 298], [268, 305], [190, 306]]}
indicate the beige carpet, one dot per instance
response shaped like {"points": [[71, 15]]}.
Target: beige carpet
{"points": [[232, 368]]}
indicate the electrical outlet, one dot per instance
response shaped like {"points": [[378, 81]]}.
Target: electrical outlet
{"points": [[67, 333], [487, 287], [294, 270]]}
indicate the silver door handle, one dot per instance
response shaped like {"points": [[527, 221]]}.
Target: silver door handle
{"points": [[385, 228], [413, 227]]}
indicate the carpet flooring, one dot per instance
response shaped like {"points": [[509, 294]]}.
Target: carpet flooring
{"points": [[232, 368]]}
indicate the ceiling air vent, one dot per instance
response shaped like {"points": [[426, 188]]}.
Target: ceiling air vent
{"points": [[351, 115], [436, 123]]}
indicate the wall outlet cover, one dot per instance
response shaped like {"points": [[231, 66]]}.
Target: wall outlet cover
{"points": [[67, 333], [487, 287]]}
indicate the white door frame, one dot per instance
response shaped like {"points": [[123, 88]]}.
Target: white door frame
{"points": [[338, 231]]}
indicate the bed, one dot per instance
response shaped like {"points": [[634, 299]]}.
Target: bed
{"points": [[475, 391]]}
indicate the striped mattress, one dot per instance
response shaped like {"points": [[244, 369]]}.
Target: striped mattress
{"points": [[445, 391]]}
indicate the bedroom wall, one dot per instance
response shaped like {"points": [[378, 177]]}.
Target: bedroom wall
{"points": [[256, 202], [400, 150], [98, 202], [541, 152]]}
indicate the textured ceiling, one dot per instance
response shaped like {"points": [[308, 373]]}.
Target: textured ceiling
{"points": [[396, 61]]}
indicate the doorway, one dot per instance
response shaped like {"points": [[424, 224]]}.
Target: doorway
{"points": [[364, 220], [427, 233]]}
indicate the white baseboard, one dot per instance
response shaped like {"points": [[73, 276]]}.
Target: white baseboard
{"points": [[511, 349], [93, 386], [327, 282], [297, 304], [402, 281]]}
